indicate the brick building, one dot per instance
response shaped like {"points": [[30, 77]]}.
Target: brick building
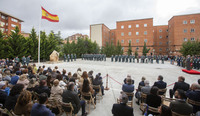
{"points": [[8, 23], [75, 37], [183, 28], [162, 39]]}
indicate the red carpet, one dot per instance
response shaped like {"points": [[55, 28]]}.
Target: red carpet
{"points": [[191, 71]]}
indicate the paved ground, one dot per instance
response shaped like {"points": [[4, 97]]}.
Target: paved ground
{"points": [[118, 71]]}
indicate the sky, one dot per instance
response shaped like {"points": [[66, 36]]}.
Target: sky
{"points": [[76, 16]]}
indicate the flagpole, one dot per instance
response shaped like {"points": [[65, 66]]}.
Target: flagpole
{"points": [[39, 37]]}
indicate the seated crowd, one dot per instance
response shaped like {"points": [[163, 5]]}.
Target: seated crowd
{"points": [[152, 98], [26, 90]]}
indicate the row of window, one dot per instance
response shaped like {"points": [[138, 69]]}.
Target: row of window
{"points": [[3, 29], [137, 41], [130, 26], [191, 21], [191, 30], [130, 33], [138, 49], [14, 20], [192, 39]]}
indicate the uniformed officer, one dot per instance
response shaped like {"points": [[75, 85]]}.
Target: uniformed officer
{"points": [[120, 57], [162, 58], [112, 58], [157, 59], [123, 58], [198, 63], [16, 59], [68, 57], [82, 56], [71, 57], [184, 62], [65, 57], [23, 60], [151, 59], [195, 62], [137, 59], [117, 57], [126, 58], [130, 58], [104, 57], [28, 59], [74, 57]]}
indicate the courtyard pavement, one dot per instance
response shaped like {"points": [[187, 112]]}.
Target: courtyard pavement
{"points": [[117, 71]]}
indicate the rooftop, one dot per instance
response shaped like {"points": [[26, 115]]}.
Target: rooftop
{"points": [[135, 19], [11, 16]]}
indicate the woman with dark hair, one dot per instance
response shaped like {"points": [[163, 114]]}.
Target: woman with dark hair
{"points": [[86, 88], [84, 76], [153, 99], [11, 100], [165, 110], [24, 105], [49, 81]]}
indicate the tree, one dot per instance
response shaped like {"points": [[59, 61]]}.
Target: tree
{"points": [[16, 44], [2, 45], [118, 49], [190, 48], [32, 44], [129, 49], [145, 50]]}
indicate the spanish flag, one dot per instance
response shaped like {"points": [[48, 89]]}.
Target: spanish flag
{"points": [[48, 16]]}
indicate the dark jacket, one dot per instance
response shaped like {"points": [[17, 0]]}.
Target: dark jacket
{"points": [[40, 110], [160, 84], [122, 110], [128, 88], [71, 96], [153, 101], [181, 85], [194, 95], [42, 89], [181, 107], [10, 102], [3, 96]]}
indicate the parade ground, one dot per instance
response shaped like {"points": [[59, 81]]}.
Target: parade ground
{"points": [[117, 71]]}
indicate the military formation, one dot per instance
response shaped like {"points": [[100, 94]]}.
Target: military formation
{"points": [[69, 57], [94, 57], [9, 62], [190, 62], [138, 59]]}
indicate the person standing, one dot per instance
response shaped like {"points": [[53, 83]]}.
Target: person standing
{"points": [[71, 57], [74, 57], [68, 58], [188, 62], [17, 60], [23, 60], [163, 59], [28, 59], [64, 57]]}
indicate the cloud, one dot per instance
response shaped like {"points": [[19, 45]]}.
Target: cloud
{"points": [[77, 15]]}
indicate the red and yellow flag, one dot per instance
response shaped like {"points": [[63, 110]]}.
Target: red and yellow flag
{"points": [[49, 16]]}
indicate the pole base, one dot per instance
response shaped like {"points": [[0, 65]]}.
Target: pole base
{"points": [[106, 88]]}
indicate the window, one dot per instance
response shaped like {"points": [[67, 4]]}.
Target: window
{"points": [[160, 30], [122, 34], [112, 33], [6, 24], [129, 41], [185, 39], [145, 32], [137, 33], [122, 27], [160, 43], [137, 48], [184, 22], [129, 33], [166, 36], [6, 29], [185, 30], [192, 21], [167, 49], [122, 41], [13, 25], [14, 20], [137, 40], [145, 40], [122, 48], [2, 29], [167, 30], [2, 24], [160, 49], [3, 17], [112, 39], [167, 43], [145, 25], [129, 26], [192, 30], [137, 25], [160, 36], [192, 39]]}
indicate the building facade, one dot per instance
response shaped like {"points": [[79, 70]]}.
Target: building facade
{"points": [[183, 28], [75, 37], [8, 23], [161, 40]]}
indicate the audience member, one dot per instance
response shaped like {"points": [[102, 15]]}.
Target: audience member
{"points": [[84, 76], [24, 104], [3, 93], [11, 100], [194, 94], [39, 109], [65, 77], [42, 88], [146, 89], [7, 76], [179, 85], [98, 81], [128, 77], [79, 73], [160, 84], [23, 80], [90, 75], [180, 106], [122, 109], [32, 83], [62, 84], [165, 110], [153, 99], [15, 78], [141, 83], [56, 91], [70, 96]]}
